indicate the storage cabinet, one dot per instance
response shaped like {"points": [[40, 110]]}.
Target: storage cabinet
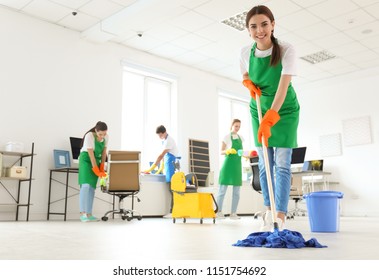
{"points": [[19, 195]]}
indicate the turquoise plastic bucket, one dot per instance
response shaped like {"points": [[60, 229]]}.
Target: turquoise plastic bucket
{"points": [[324, 210]]}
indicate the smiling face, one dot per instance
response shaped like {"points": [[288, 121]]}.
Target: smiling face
{"points": [[236, 127], [260, 28]]}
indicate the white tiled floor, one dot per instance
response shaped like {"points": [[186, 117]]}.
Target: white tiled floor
{"points": [[161, 239]]}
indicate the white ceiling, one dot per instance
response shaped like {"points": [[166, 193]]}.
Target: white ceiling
{"points": [[191, 32]]}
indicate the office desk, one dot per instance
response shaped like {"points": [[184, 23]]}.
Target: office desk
{"points": [[312, 180]]}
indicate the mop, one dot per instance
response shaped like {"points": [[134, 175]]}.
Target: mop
{"points": [[276, 239]]}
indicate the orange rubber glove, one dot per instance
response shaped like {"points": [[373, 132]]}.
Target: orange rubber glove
{"points": [[269, 120], [102, 167], [254, 90], [97, 171]]}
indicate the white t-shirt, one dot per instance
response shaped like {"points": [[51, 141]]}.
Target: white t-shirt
{"points": [[89, 142], [170, 145], [228, 139], [287, 52]]}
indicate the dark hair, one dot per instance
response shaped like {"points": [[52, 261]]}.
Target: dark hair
{"points": [[234, 121], [160, 129], [263, 10], [100, 126]]}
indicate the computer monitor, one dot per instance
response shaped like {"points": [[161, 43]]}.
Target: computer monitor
{"points": [[75, 143], [298, 155], [310, 165]]}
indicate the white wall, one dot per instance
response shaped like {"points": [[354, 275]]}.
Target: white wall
{"points": [[53, 85], [324, 106]]}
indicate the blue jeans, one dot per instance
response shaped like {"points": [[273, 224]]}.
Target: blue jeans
{"points": [[235, 199], [280, 169], [86, 197]]}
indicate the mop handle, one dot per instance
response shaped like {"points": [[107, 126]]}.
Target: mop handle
{"points": [[267, 167]]}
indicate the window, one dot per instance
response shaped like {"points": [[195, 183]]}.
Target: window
{"points": [[146, 104], [229, 108]]}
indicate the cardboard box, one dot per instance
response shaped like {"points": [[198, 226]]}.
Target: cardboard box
{"points": [[17, 172]]}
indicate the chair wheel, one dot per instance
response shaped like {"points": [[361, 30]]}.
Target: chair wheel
{"points": [[201, 220], [139, 218], [129, 218], [123, 218], [214, 220], [104, 218], [184, 220]]}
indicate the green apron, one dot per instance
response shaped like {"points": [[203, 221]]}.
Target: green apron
{"points": [[266, 77], [86, 175], [231, 171]]}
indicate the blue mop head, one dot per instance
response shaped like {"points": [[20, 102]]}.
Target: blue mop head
{"points": [[278, 239]]}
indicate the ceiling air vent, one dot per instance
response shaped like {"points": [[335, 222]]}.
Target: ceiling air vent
{"points": [[318, 57], [237, 21]]}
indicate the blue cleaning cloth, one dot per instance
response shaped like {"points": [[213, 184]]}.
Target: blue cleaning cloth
{"points": [[278, 239]]}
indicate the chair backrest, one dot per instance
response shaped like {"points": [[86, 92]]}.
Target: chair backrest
{"points": [[255, 183], [124, 171]]}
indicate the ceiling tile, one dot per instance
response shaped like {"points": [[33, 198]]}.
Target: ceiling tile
{"points": [[101, 8], [191, 58], [298, 20], [192, 3], [369, 63], [334, 63], [306, 49], [211, 64], [15, 4], [190, 21], [80, 22], [144, 43], [364, 31], [371, 42], [47, 10], [190, 41], [351, 20], [219, 11], [307, 3], [124, 3], [364, 3], [166, 32], [282, 8], [373, 10], [332, 8], [348, 49], [344, 70], [168, 50], [72, 4], [316, 31], [331, 41], [217, 31], [356, 58]]}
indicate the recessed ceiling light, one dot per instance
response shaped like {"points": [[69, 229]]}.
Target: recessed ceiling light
{"points": [[237, 21], [366, 31], [318, 57]]}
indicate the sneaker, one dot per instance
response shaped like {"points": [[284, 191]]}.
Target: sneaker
{"points": [[93, 219], [267, 224], [234, 216], [84, 218], [220, 215]]}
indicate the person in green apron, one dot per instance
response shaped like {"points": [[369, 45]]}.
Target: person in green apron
{"points": [[91, 166], [268, 65], [169, 155], [231, 171]]}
